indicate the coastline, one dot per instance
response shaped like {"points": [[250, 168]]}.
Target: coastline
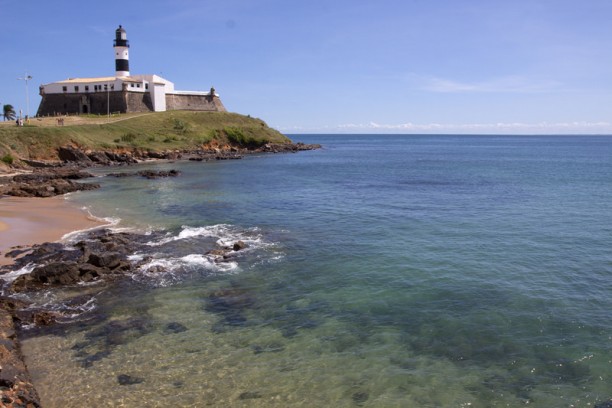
{"points": [[25, 221]]}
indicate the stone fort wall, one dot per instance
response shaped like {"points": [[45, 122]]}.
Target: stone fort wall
{"points": [[194, 102], [123, 102]]}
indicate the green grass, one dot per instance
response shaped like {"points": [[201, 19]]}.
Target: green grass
{"points": [[181, 130]]}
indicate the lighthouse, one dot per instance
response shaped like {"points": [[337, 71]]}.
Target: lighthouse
{"points": [[122, 59]]}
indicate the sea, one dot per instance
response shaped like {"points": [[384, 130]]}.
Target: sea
{"points": [[379, 271]]}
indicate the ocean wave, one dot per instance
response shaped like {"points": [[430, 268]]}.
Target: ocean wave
{"points": [[11, 276], [169, 270], [73, 236], [226, 235]]}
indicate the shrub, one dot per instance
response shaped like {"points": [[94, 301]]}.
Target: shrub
{"points": [[8, 159], [237, 136], [180, 126], [128, 138]]}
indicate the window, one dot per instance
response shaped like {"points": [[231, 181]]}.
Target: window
{"points": [[137, 85], [76, 89], [146, 86], [64, 88], [86, 87]]}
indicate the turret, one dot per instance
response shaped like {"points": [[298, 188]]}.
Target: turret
{"points": [[122, 59]]}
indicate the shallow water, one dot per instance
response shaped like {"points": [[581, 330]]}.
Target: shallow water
{"points": [[381, 271]]}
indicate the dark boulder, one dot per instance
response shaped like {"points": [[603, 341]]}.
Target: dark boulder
{"points": [[99, 158], [70, 154], [109, 260], [174, 327], [61, 273], [239, 245], [125, 379]]}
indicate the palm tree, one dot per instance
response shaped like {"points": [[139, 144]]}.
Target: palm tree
{"points": [[8, 112]]}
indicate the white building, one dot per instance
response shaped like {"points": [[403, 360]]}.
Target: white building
{"points": [[122, 92]]}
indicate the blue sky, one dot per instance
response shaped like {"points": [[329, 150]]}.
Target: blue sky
{"points": [[348, 66]]}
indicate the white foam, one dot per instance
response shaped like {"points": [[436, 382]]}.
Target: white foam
{"points": [[164, 265], [11, 276], [109, 223], [226, 236]]}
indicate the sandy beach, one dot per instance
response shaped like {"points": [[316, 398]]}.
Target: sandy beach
{"points": [[27, 221]]}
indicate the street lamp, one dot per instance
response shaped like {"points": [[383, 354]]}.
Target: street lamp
{"points": [[26, 78]]}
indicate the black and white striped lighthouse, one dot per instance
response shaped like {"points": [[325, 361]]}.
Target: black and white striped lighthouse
{"points": [[122, 59]]}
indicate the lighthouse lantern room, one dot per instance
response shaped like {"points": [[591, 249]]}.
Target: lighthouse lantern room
{"points": [[122, 60]]}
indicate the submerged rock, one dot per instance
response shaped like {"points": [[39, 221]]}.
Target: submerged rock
{"points": [[149, 174], [360, 397], [125, 379], [174, 327], [249, 395]]}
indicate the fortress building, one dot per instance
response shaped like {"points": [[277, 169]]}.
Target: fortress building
{"points": [[122, 92]]}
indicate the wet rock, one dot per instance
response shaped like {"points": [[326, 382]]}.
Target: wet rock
{"points": [[60, 273], [157, 174], [16, 389], [230, 303], [360, 397], [149, 174], [118, 332], [88, 360], [267, 348], [47, 183], [99, 158], [240, 245], [125, 379], [70, 154], [249, 395], [108, 260], [174, 327], [88, 273], [218, 252]]}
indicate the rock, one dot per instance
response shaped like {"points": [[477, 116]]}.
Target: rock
{"points": [[56, 273], [124, 379], [99, 158], [44, 318], [360, 397], [216, 252], [174, 327], [604, 404], [109, 260], [149, 174], [249, 395], [16, 388], [48, 183], [88, 272], [239, 246], [69, 154]]}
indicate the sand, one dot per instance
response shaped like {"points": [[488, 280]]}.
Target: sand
{"points": [[27, 221]]}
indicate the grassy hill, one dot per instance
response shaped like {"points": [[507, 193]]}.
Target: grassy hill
{"points": [[159, 131]]}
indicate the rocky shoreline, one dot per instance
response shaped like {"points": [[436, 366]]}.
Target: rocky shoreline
{"points": [[101, 256]]}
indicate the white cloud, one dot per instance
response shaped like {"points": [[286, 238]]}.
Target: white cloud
{"points": [[508, 84]]}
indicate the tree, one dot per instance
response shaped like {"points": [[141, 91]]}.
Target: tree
{"points": [[8, 112]]}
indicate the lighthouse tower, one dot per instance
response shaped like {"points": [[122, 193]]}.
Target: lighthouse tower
{"points": [[122, 59]]}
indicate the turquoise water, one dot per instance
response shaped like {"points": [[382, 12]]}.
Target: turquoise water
{"points": [[382, 271]]}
